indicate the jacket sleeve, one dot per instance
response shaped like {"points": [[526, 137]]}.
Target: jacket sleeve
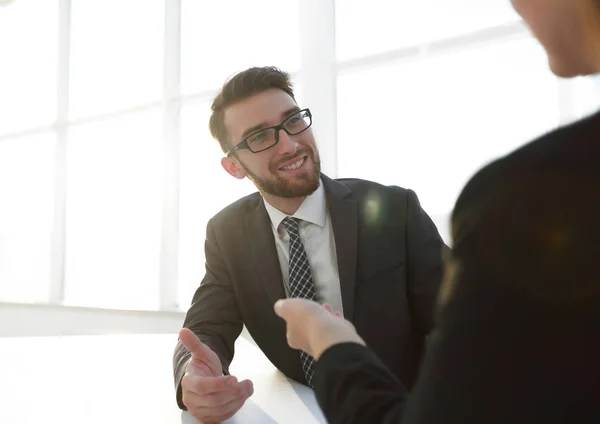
{"points": [[214, 315], [352, 385]]}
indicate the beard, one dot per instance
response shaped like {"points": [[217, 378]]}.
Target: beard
{"points": [[304, 185]]}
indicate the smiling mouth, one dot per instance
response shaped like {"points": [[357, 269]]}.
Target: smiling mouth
{"points": [[295, 165]]}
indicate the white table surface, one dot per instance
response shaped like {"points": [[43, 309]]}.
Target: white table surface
{"points": [[128, 379]]}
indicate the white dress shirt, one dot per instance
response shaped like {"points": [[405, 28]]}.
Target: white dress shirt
{"points": [[316, 234]]}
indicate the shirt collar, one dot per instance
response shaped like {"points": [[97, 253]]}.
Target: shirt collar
{"points": [[313, 209]]}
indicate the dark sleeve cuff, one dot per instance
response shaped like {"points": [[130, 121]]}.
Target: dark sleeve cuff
{"points": [[180, 368], [352, 385]]}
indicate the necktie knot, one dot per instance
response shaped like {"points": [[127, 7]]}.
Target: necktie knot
{"points": [[291, 226]]}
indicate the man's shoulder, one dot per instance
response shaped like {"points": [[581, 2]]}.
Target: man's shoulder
{"points": [[554, 174], [530, 219], [570, 150], [239, 208], [366, 188]]}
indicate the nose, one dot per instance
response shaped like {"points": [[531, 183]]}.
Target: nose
{"points": [[286, 143]]}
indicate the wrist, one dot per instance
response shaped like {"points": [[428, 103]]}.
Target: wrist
{"points": [[335, 340]]}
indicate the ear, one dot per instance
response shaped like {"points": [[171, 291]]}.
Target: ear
{"points": [[233, 167]]}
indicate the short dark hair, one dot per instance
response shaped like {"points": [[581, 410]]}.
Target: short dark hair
{"points": [[239, 87]]}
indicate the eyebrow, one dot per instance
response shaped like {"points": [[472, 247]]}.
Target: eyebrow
{"points": [[262, 125]]}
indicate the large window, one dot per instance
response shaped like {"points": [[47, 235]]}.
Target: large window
{"points": [[429, 123], [368, 27], [108, 173], [220, 38], [26, 216], [29, 54], [28, 63], [116, 55], [114, 195]]}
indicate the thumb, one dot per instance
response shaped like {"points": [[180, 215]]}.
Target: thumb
{"points": [[296, 308], [192, 343], [285, 308]]}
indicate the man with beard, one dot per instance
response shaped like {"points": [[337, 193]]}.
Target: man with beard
{"points": [[368, 250]]}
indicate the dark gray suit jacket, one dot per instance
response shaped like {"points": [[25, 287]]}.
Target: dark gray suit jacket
{"points": [[389, 257]]}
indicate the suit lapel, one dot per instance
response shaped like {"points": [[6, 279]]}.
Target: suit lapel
{"points": [[262, 248], [344, 218]]}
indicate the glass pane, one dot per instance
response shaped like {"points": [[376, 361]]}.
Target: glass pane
{"points": [[114, 196], [28, 72], [459, 17], [217, 43], [585, 96], [26, 217], [429, 125], [299, 93], [366, 28], [116, 54], [206, 188]]}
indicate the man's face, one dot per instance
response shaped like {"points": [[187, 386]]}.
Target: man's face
{"points": [[291, 168]]}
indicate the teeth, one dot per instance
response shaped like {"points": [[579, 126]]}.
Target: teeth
{"points": [[294, 165]]}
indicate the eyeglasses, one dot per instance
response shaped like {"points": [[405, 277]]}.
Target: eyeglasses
{"points": [[268, 137]]}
